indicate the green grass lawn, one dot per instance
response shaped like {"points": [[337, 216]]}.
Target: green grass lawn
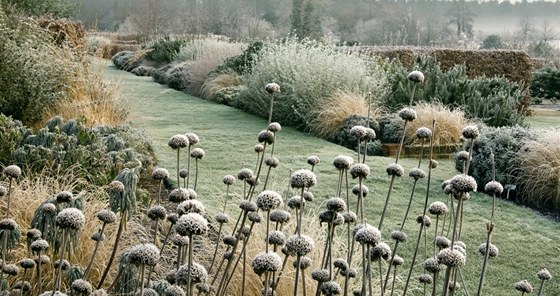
{"points": [[527, 241]]}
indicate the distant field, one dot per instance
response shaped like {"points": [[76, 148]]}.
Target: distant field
{"points": [[545, 116]]}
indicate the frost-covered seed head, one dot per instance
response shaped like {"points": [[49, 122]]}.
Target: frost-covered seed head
{"points": [[64, 197], [415, 76], [321, 275], [451, 258], [43, 259], [116, 186], [248, 206], [12, 171], [160, 174], [340, 263], [460, 244], [24, 286], [48, 208], [253, 181], [397, 261], [336, 204], [313, 160], [300, 245], [172, 218], [178, 141], [304, 262], [255, 217], [280, 216], [359, 132], [462, 156], [266, 262], [222, 218], [191, 224], [144, 254], [157, 213], [470, 132], [259, 148], [544, 274], [193, 138], [229, 179], [276, 237], [437, 208], [368, 235], [523, 286], [269, 200], [27, 263], [197, 153], [274, 127], [407, 114], [52, 293], [448, 189], [442, 242], [106, 216], [180, 240], [229, 240], [493, 188], [266, 136], [8, 224], [272, 88], [39, 245], [417, 174], [174, 290], [424, 220], [330, 288], [395, 169], [423, 133], [370, 134], [380, 251], [351, 272], [349, 217], [431, 265], [98, 237], [64, 264], [454, 286], [343, 162], [294, 202], [331, 217], [425, 279], [3, 191], [178, 195], [198, 274], [308, 196], [433, 163], [398, 236], [70, 218], [33, 234], [463, 183], [245, 230], [81, 287], [11, 269], [272, 162], [356, 190], [303, 179], [191, 206], [244, 174], [492, 251], [183, 173], [359, 170]]}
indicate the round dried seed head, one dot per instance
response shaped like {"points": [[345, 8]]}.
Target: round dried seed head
{"points": [[424, 220], [11, 269], [380, 251], [52, 293], [266, 136], [442, 242], [303, 179], [98, 237], [280, 216], [266, 262], [425, 279], [370, 134], [460, 244], [272, 162], [415, 76], [172, 218], [294, 202], [33, 234], [470, 132], [397, 261], [43, 259], [308, 196], [398, 236], [454, 286], [64, 264], [178, 142], [359, 132], [157, 213], [274, 127], [244, 174], [198, 274], [269, 200], [523, 286], [331, 217], [253, 181], [27, 263], [417, 174], [174, 290], [116, 186], [106, 216], [437, 208], [70, 218], [48, 208], [448, 189], [81, 287], [229, 240], [229, 179], [423, 133], [64, 197], [197, 153], [356, 190], [493, 188], [313, 160], [3, 191], [463, 183], [193, 138], [259, 148], [276, 237], [190, 206], [433, 163], [341, 264], [336, 204], [544, 274], [24, 286], [368, 235], [222, 218], [343, 162], [492, 250], [431, 265], [203, 288], [451, 258], [8, 224], [407, 114], [245, 230], [304, 262], [248, 206], [144, 254], [191, 224], [351, 272], [462, 156], [160, 174], [349, 217], [192, 194], [300, 245], [395, 169], [321, 275], [330, 288], [272, 88], [254, 217], [39, 245], [12, 171], [183, 173], [178, 195], [359, 170]]}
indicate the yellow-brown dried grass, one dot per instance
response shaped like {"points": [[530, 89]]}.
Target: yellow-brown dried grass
{"points": [[214, 84], [335, 109], [449, 123]]}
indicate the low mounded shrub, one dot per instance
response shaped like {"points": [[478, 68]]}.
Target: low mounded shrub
{"points": [[227, 95], [121, 58], [160, 75], [242, 63], [176, 77], [546, 84], [343, 137], [164, 49], [308, 73], [142, 71], [391, 128], [214, 84]]}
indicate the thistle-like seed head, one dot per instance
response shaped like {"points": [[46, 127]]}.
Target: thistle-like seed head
{"points": [[380, 251], [359, 132], [160, 174], [415, 76], [470, 132], [463, 183], [423, 133], [330, 288], [272, 88], [398, 236], [407, 114], [368, 235], [197, 153], [343, 162], [492, 250], [193, 138], [437, 208], [144, 254], [64, 197], [198, 274], [303, 179], [336, 204], [431, 265], [191, 224], [70, 218], [266, 136], [274, 127], [321, 275], [425, 279], [451, 257], [178, 142], [106, 216], [523, 286], [81, 287], [359, 170], [313, 160], [395, 169], [244, 174], [544, 274], [8, 224], [12, 171], [280, 216], [156, 213], [276, 237], [266, 262], [300, 245], [356, 190], [269, 200], [222, 218], [229, 179], [493, 188]]}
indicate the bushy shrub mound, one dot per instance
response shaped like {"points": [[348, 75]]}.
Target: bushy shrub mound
{"points": [[308, 73], [391, 128], [343, 137], [546, 84], [164, 50], [213, 86], [242, 63], [493, 100]]}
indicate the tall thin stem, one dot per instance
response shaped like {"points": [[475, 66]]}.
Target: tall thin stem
{"points": [[88, 269], [115, 248], [189, 265], [59, 271]]}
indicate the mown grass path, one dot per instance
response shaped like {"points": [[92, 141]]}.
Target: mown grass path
{"points": [[527, 241]]}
